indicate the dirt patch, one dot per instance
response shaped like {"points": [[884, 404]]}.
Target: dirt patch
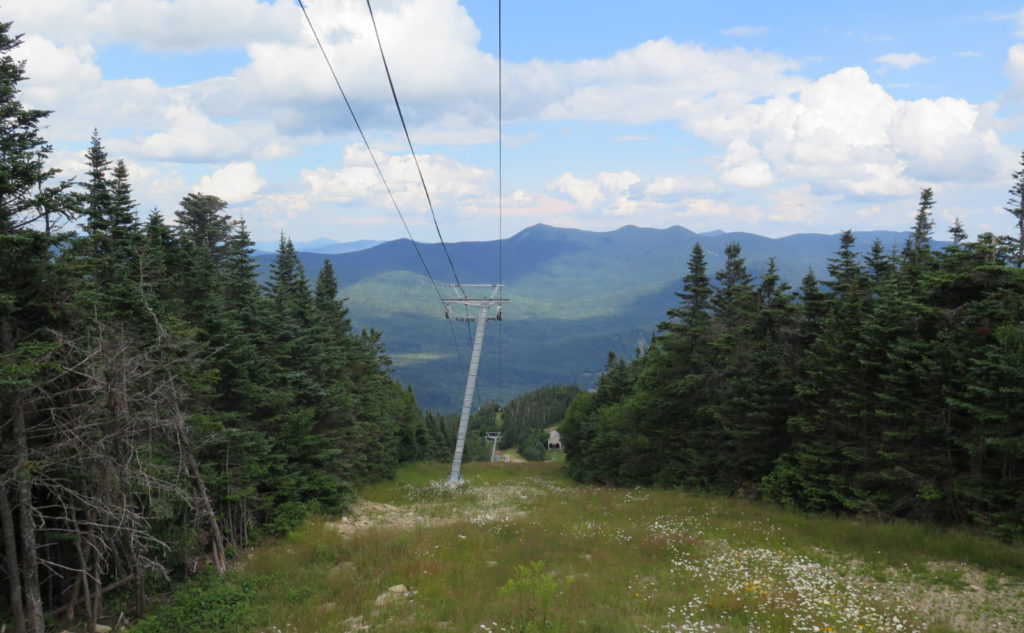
{"points": [[439, 504], [965, 599], [367, 514]]}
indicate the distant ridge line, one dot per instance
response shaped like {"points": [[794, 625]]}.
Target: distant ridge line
{"points": [[541, 226]]}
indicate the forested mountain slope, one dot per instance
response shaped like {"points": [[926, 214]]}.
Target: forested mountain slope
{"points": [[574, 295]]}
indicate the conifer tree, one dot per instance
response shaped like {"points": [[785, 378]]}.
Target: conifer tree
{"points": [[957, 232], [813, 309], [602, 444], [675, 387], [733, 301], [878, 264], [757, 392], [333, 367], [1016, 209], [109, 255], [833, 396], [917, 255], [97, 195], [27, 297], [923, 225]]}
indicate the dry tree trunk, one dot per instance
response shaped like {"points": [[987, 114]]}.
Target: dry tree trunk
{"points": [[137, 572], [29, 559], [216, 538], [69, 614], [13, 573], [84, 576], [33, 600], [185, 446]]}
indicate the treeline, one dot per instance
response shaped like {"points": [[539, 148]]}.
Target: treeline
{"points": [[895, 388], [160, 408], [522, 422], [525, 418]]}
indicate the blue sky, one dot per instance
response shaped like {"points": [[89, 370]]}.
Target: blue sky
{"points": [[774, 118]]}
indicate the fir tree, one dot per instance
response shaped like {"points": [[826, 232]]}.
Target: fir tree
{"points": [[957, 232], [758, 392], [29, 298], [674, 389], [1016, 209]]}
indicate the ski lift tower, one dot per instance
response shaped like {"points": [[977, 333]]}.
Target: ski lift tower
{"points": [[493, 437], [483, 316]]}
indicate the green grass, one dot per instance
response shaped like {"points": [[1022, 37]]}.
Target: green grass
{"points": [[520, 548]]}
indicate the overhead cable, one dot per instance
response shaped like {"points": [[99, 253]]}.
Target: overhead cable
{"points": [[501, 282], [408, 139], [380, 172]]}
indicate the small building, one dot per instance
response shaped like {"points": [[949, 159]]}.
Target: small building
{"points": [[554, 441]]}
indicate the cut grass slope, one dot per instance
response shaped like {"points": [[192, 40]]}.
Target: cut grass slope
{"points": [[520, 548]]}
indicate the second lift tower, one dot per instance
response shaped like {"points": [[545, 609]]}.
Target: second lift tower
{"points": [[483, 316]]}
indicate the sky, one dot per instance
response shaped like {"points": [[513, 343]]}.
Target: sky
{"points": [[766, 117]]}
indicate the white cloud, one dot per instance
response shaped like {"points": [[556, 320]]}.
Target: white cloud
{"points": [[798, 205], [54, 70], [586, 193], [259, 109], [903, 60], [845, 134], [191, 135], [184, 25], [233, 183], [625, 193], [746, 31], [703, 207], [657, 80], [744, 167], [352, 200], [452, 184], [617, 182], [1014, 71], [155, 188], [770, 127], [666, 186]]}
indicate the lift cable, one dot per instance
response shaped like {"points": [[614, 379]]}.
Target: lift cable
{"points": [[408, 139], [380, 172], [416, 161], [501, 283]]}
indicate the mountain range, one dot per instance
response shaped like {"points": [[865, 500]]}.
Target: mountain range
{"points": [[573, 295], [323, 245]]}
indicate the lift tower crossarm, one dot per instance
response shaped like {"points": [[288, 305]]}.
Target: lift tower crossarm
{"points": [[483, 316]]}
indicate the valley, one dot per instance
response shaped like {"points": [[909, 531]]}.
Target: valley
{"points": [[574, 296]]}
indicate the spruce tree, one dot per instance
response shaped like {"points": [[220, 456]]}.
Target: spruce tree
{"points": [[957, 232], [829, 444], [28, 295], [757, 393], [917, 254], [109, 255], [97, 196], [731, 369], [1016, 209], [675, 387]]}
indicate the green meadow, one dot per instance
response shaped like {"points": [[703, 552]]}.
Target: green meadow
{"points": [[520, 548]]}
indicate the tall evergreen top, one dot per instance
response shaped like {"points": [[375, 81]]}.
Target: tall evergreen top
{"points": [[1016, 208], [23, 152], [696, 294]]}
